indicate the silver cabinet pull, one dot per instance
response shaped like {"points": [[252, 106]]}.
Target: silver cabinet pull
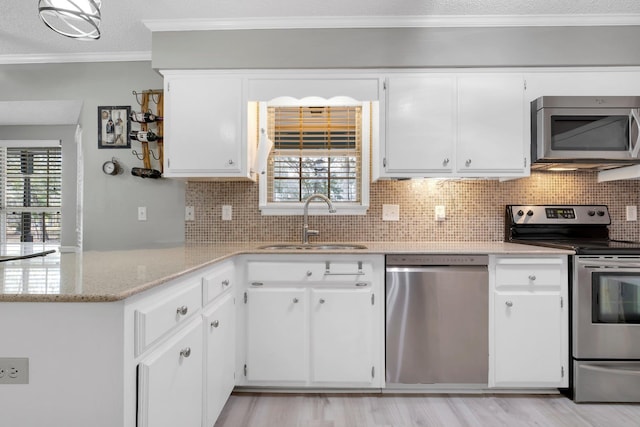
{"points": [[322, 301], [509, 304], [532, 277], [445, 162], [215, 323], [467, 163], [182, 310], [309, 273], [231, 161], [295, 300], [225, 282], [185, 352]]}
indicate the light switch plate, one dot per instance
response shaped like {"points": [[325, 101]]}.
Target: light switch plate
{"points": [[391, 212], [142, 213], [227, 212], [632, 213], [440, 213]]}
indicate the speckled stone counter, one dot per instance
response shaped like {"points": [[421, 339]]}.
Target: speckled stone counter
{"points": [[101, 276]]}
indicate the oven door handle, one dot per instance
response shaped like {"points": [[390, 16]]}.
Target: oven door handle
{"points": [[611, 370], [611, 264]]}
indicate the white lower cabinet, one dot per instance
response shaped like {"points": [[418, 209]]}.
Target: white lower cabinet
{"points": [[341, 344], [220, 337], [528, 339], [170, 382], [323, 330]]}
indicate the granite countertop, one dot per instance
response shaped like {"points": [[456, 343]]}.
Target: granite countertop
{"points": [[102, 276]]}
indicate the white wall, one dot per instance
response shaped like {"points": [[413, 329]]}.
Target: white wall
{"points": [[110, 202]]}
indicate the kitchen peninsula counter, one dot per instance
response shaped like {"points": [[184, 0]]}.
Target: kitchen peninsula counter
{"points": [[103, 276]]}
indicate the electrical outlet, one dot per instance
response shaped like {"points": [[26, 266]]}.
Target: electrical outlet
{"points": [[142, 213], [440, 213], [632, 213], [14, 370], [189, 213], [391, 212], [227, 212]]}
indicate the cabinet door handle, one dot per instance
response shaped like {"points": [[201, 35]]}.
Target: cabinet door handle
{"points": [[467, 163], [532, 277], [322, 301], [509, 304], [295, 300], [445, 162], [215, 323], [225, 282], [182, 310], [309, 273], [185, 352]]}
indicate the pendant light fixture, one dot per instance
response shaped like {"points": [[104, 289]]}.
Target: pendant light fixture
{"points": [[78, 19]]}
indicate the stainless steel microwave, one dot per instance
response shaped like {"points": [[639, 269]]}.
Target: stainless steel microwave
{"points": [[585, 132]]}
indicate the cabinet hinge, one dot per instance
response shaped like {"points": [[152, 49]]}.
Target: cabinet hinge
{"points": [[525, 162], [373, 299], [384, 162], [168, 86], [384, 85], [562, 372], [561, 302], [245, 297], [525, 85], [168, 163], [245, 370], [373, 372]]}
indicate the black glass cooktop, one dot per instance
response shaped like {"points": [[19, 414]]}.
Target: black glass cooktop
{"points": [[589, 247]]}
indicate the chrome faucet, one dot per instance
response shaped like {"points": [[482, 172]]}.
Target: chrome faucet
{"points": [[305, 228]]}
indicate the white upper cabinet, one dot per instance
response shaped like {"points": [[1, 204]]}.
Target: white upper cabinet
{"points": [[420, 125], [454, 125], [491, 125], [205, 133]]}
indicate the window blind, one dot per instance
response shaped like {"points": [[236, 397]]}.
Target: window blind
{"points": [[30, 193], [316, 150]]}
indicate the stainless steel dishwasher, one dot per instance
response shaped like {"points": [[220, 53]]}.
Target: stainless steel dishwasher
{"points": [[437, 319]]}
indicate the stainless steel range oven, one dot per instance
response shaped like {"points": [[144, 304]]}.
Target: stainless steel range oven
{"points": [[606, 328], [604, 291]]}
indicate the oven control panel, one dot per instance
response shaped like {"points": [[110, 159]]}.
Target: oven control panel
{"points": [[559, 214]]}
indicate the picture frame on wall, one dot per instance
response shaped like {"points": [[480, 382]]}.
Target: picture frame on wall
{"points": [[114, 124]]}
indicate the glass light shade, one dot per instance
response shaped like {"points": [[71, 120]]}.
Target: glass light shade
{"points": [[78, 19]]}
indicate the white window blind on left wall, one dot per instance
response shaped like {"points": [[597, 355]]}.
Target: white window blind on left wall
{"points": [[30, 193]]}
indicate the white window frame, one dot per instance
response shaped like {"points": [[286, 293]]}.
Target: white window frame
{"points": [[370, 125], [27, 144]]}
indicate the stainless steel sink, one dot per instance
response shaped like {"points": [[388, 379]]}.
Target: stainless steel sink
{"points": [[314, 246]]}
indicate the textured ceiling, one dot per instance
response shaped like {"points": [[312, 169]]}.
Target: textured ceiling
{"points": [[123, 32]]}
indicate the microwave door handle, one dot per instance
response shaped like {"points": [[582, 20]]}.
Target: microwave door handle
{"points": [[634, 117]]}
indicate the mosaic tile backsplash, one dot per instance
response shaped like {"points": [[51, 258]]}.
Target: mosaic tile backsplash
{"points": [[474, 209]]}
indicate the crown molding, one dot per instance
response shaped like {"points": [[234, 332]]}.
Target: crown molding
{"points": [[392, 22], [76, 57]]}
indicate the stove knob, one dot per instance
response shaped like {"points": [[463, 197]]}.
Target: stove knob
{"points": [[591, 213], [529, 212], [520, 212], [600, 213]]}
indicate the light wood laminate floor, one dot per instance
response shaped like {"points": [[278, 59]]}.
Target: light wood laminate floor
{"points": [[403, 410]]}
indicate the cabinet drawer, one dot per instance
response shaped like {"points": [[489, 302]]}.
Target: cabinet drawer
{"points": [[218, 280], [154, 321], [548, 272], [309, 271]]}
